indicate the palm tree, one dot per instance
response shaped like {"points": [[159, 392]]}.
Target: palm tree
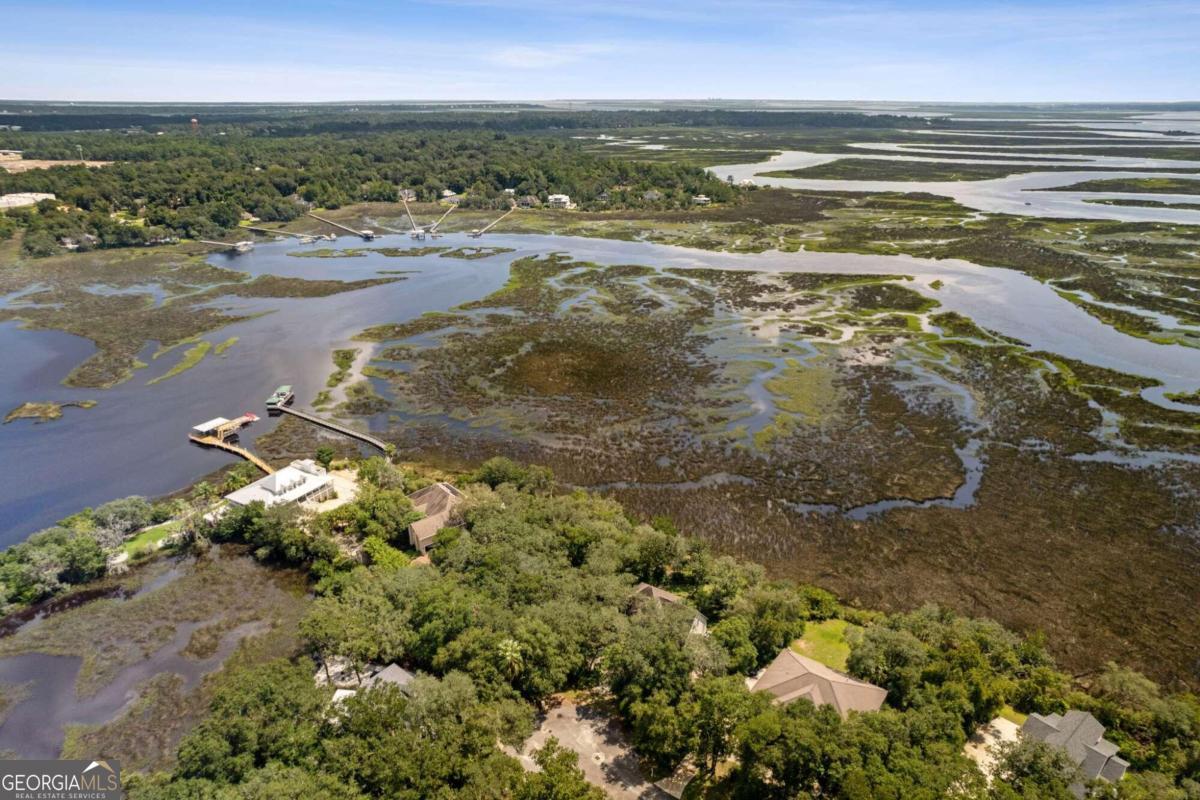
{"points": [[511, 658], [203, 493]]}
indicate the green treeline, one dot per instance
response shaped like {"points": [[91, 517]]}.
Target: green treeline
{"points": [[362, 118], [531, 595], [199, 187]]}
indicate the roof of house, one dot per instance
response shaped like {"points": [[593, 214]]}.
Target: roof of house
{"points": [[394, 674], [661, 595], [283, 486], [792, 676], [1081, 735], [211, 425], [437, 502]]}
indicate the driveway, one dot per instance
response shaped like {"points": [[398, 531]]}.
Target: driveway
{"points": [[605, 756], [981, 748]]}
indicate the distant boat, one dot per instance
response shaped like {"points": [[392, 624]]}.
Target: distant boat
{"points": [[280, 397]]}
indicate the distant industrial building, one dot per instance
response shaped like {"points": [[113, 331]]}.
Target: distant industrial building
{"points": [[298, 481]]}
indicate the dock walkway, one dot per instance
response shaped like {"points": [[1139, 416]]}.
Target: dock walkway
{"points": [[213, 441], [336, 427]]}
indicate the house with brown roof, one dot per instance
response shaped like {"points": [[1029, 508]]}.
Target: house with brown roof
{"points": [[437, 502], [662, 597], [1082, 737], [792, 676]]}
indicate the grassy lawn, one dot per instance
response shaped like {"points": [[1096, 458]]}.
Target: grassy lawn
{"points": [[151, 536], [825, 642], [1012, 715]]}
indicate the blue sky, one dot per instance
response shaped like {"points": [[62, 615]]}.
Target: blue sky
{"points": [[542, 49]]}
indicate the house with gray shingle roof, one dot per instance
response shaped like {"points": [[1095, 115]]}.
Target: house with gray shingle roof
{"points": [[1082, 736], [395, 675]]}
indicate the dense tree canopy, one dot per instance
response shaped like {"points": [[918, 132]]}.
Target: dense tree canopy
{"points": [[530, 595]]}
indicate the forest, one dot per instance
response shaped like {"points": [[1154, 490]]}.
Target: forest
{"points": [[529, 596], [361, 117], [201, 186]]}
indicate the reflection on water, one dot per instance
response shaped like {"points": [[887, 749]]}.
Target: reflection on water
{"points": [[134, 440], [35, 726], [1020, 193]]}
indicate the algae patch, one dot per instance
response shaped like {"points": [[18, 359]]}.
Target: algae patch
{"points": [[193, 356], [44, 412]]}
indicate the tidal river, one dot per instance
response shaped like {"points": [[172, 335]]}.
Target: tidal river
{"points": [[134, 440]]}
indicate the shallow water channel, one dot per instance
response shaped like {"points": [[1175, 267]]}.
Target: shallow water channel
{"points": [[134, 440]]}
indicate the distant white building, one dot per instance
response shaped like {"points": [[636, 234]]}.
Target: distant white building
{"points": [[21, 199], [559, 201], [700, 200], [300, 480]]}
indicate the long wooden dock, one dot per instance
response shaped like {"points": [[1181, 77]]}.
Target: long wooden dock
{"points": [[213, 441], [365, 234], [336, 427]]}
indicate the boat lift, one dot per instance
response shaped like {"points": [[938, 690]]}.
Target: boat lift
{"points": [[223, 429], [475, 234]]}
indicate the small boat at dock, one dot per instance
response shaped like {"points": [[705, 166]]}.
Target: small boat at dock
{"points": [[280, 397]]}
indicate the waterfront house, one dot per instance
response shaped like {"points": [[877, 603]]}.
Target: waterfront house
{"points": [[528, 201], [792, 676], [700, 200], [438, 503], [392, 675], [559, 201], [1082, 736], [652, 196], [645, 592], [301, 480]]}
